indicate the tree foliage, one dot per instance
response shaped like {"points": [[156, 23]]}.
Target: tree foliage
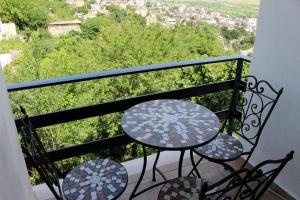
{"points": [[233, 34], [90, 28], [60, 10], [32, 14], [120, 41], [244, 40]]}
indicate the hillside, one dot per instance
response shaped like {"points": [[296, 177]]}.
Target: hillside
{"points": [[232, 7]]}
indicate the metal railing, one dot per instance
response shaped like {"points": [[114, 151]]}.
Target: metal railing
{"points": [[84, 112]]}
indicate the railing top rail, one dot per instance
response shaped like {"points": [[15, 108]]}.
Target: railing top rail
{"points": [[119, 72]]}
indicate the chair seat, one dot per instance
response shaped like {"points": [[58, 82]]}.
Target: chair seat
{"points": [[223, 147], [95, 179], [184, 188], [181, 188]]}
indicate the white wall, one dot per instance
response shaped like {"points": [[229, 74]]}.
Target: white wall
{"points": [[277, 59], [5, 59], [14, 181]]}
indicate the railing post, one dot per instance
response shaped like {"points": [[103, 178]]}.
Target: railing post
{"points": [[235, 95]]}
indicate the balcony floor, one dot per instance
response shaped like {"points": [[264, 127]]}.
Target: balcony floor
{"points": [[168, 164]]}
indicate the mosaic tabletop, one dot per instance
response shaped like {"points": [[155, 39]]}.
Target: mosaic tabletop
{"points": [[223, 147], [95, 179], [170, 124]]}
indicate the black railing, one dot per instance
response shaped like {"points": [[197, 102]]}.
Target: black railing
{"points": [[84, 112]]}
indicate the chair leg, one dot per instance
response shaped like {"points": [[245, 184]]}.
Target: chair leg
{"points": [[180, 163], [247, 160], [227, 167], [60, 192], [154, 166], [56, 195], [194, 165]]}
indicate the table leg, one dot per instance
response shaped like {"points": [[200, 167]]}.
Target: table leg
{"points": [[194, 165], [142, 174], [180, 163], [154, 166]]}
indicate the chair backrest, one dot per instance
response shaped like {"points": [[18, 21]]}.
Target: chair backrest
{"points": [[35, 153], [251, 107], [246, 183]]}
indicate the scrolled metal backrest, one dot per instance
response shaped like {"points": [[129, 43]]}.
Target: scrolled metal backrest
{"points": [[255, 102], [246, 184], [35, 152]]}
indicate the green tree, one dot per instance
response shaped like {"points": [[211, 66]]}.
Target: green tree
{"points": [[60, 10], [83, 9], [117, 13], [233, 34], [91, 27], [30, 14]]}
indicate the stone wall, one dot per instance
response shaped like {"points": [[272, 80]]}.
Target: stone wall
{"points": [[7, 31], [63, 28]]}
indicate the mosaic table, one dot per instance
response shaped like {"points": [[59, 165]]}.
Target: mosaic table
{"points": [[94, 180], [169, 125]]}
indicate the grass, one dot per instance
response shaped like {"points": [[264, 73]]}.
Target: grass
{"points": [[242, 8], [8, 45], [255, 2]]}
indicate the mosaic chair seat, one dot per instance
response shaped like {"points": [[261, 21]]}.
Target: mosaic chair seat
{"points": [[92, 180], [246, 184], [252, 103]]}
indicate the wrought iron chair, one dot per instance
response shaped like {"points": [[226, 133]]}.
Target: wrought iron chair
{"points": [[251, 106], [95, 179], [242, 184]]}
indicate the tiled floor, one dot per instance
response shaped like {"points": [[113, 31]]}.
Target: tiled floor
{"points": [[211, 172], [168, 164]]}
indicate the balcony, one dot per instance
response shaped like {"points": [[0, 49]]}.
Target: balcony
{"points": [[276, 58], [168, 163]]}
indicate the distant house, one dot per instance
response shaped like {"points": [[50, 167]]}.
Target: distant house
{"points": [[227, 22], [215, 15], [63, 27], [151, 19], [181, 9], [95, 8], [250, 24], [170, 21], [211, 21], [142, 11], [7, 31], [137, 3], [90, 14], [76, 3]]}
